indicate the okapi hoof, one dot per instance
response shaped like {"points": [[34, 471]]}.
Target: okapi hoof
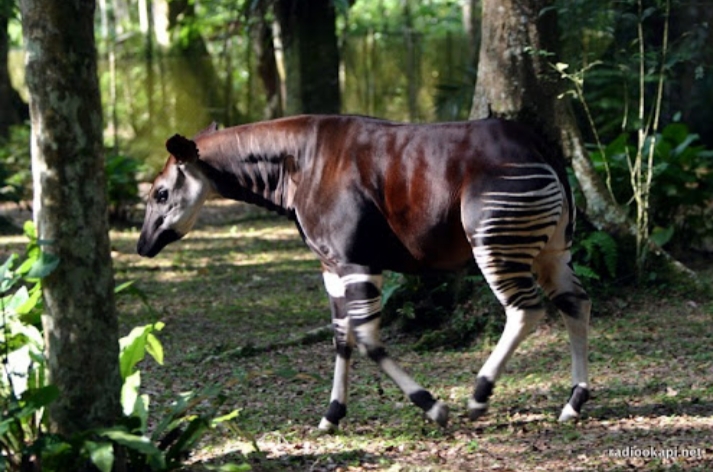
{"points": [[330, 421], [570, 412], [439, 414], [476, 409], [326, 427]]}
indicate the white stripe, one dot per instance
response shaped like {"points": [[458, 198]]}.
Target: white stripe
{"points": [[530, 164], [333, 284], [376, 280], [364, 308]]}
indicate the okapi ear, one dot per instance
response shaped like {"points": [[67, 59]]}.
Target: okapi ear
{"points": [[183, 149], [212, 128]]}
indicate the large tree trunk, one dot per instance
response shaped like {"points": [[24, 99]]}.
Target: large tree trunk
{"points": [[516, 80], [311, 55], [14, 110], [264, 48], [81, 328], [197, 61]]}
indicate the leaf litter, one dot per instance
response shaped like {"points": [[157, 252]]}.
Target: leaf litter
{"points": [[243, 279]]}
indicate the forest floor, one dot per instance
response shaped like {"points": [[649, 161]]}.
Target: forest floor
{"points": [[243, 280]]}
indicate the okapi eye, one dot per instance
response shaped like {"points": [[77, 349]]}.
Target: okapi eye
{"points": [[161, 196]]}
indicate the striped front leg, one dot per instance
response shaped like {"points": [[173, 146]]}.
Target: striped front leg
{"points": [[362, 291], [343, 344]]}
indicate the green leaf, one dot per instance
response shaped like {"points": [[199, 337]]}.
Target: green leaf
{"points": [[154, 348], [121, 287], [37, 398], [661, 236], [43, 266], [133, 347], [101, 454], [139, 444], [130, 392], [195, 430], [133, 350], [141, 411], [29, 230], [18, 299], [30, 303], [230, 467], [33, 254], [222, 419], [585, 272], [5, 269]]}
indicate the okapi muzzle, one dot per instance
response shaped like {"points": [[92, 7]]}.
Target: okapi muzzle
{"points": [[175, 198], [151, 243]]}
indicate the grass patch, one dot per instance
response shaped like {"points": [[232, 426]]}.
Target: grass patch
{"points": [[244, 278]]}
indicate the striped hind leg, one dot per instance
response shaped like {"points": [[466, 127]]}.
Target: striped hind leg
{"points": [[514, 285], [363, 303], [557, 279]]}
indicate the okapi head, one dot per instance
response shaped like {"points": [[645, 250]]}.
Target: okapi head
{"points": [[176, 196]]}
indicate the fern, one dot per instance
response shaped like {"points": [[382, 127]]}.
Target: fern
{"points": [[584, 272], [607, 248], [601, 254]]}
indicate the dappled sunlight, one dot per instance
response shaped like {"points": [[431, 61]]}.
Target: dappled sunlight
{"points": [[228, 290]]}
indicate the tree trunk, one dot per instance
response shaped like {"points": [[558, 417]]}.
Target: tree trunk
{"points": [[311, 55], [264, 48], [471, 26], [690, 90], [14, 110], [516, 81], [413, 73], [81, 328], [197, 60]]}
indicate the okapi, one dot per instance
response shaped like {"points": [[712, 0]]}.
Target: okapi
{"points": [[369, 195]]}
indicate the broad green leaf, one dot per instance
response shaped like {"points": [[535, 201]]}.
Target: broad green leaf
{"points": [[29, 230], [130, 392], [141, 411], [43, 266], [31, 302], [37, 398], [133, 347], [154, 348], [101, 454], [18, 299], [7, 278], [131, 355], [140, 444]]}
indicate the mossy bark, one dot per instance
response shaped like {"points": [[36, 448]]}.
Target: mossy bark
{"points": [[70, 205]]}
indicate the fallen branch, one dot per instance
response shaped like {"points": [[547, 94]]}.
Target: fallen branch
{"points": [[313, 336]]}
